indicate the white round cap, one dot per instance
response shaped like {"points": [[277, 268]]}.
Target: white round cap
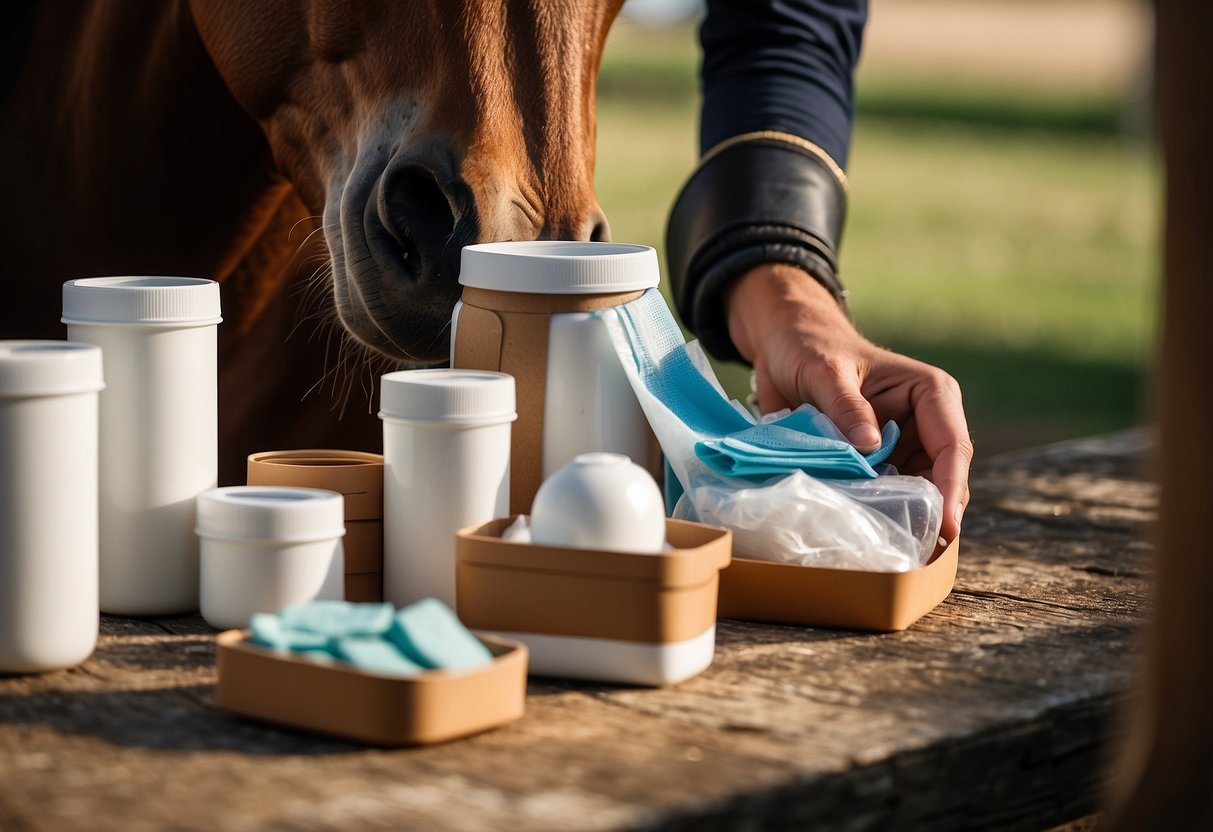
{"points": [[49, 368], [270, 513], [448, 396], [600, 501], [190, 301], [550, 267]]}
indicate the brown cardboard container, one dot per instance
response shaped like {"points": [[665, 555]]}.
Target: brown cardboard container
{"points": [[363, 546], [654, 599], [333, 698], [755, 590], [358, 477], [364, 586], [508, 332]]}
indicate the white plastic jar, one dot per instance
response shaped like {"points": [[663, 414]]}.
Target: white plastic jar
{"points": [[266, 546], [48, 504], [446, 453], [159, 430], [529, 309]]}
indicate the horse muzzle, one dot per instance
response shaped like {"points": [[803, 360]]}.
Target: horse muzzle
{"points": [[396, 279]]}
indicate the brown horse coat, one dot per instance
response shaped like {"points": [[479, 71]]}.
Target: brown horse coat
{"points": [[210, 138]]}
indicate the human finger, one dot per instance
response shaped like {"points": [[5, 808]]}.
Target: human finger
{"points": [[835, 391], [944, 433]]}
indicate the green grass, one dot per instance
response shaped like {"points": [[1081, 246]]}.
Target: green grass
{"points": [[1014, 246]]}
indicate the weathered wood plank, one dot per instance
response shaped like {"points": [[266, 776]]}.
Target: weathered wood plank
{"points": [[989, 713]]}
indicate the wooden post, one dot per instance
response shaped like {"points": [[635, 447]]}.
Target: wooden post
{"points": [[1165, 779]]}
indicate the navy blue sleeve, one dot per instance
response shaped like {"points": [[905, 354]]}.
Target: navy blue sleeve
{"points": [[782, 65], [774, 135]]}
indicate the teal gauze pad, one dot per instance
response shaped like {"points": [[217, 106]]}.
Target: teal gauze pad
{"points": [[431, 635], [373, 654], [267, 631], [336, 619]]}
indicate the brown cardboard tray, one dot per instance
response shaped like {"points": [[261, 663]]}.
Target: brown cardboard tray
{"points": [[333, 698], [650, 598], [755, 590]]}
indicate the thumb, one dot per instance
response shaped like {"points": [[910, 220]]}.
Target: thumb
{"points": [[837, 394]]}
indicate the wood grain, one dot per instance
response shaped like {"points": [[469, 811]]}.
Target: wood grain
{"points": [[992, 712]]}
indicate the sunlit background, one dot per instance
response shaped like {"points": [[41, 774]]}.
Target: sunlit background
{"points": [[1004, 195]]}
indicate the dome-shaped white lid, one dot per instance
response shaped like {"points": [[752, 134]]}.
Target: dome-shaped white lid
{"points": [[553, 267], [49, 368], [190, 301], [271, 513], [447, 395]]}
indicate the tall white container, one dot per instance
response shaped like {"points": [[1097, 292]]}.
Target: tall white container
{"points": [[446, 453], [159, 430], [48, 504], [533, 307]]}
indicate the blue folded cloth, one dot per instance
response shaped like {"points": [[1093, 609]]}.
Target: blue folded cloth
{"points": [[374, 637], [726, 439], [762, 451], [374, 654], [432, 636], [338, 618]]}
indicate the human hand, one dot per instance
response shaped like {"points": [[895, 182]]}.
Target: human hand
{"points": [[805, 349]]}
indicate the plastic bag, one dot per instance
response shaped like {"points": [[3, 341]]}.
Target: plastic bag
{"points": [[889, 523]]}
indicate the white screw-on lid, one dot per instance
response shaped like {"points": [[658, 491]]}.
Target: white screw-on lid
{"points": [[270, 513], [141, 300], [549, 267], [448, 396], [49, 368]]}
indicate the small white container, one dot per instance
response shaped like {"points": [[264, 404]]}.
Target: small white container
{"points": [[267, 546], [159, 430], [446, 452], [532, 308], [600, 501], [48, 504]]}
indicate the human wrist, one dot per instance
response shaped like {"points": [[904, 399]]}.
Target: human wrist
{"points": [[756, 300]]}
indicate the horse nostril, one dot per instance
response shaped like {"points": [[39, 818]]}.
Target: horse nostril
{"points": [[600, 231], [417, 214]]}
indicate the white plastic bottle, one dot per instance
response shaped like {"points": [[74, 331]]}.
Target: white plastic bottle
{"points": [[48, 504], [159, 430], [446, 452]]}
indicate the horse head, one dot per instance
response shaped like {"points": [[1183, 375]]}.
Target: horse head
{"points": [[415, 128]]}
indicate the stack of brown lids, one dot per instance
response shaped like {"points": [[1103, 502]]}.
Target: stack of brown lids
{"points": [[358, 477]]}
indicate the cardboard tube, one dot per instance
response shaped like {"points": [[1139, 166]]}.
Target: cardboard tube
{"points": [[358, 477]]}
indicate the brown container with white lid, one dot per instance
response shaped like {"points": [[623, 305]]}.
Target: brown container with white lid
{"points": [[358, 477]]}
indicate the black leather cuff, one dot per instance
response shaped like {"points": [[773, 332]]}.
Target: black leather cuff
{"points": [[757, 201]]}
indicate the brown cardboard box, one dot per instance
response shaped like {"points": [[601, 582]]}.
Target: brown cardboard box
{"points": [[649, 598], [358, 477], [784, 593], [334, 698], [508, 332]]}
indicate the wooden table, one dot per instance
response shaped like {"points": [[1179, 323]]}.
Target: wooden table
{"points": [[992, 712]]}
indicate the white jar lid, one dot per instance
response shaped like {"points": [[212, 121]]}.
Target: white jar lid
{"points": [[270, 513], [49, 368], [141, 300], [551, 267], [448, 396]]}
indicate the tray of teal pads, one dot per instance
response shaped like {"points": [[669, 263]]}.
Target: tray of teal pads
{"points": [[371, 673]]}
